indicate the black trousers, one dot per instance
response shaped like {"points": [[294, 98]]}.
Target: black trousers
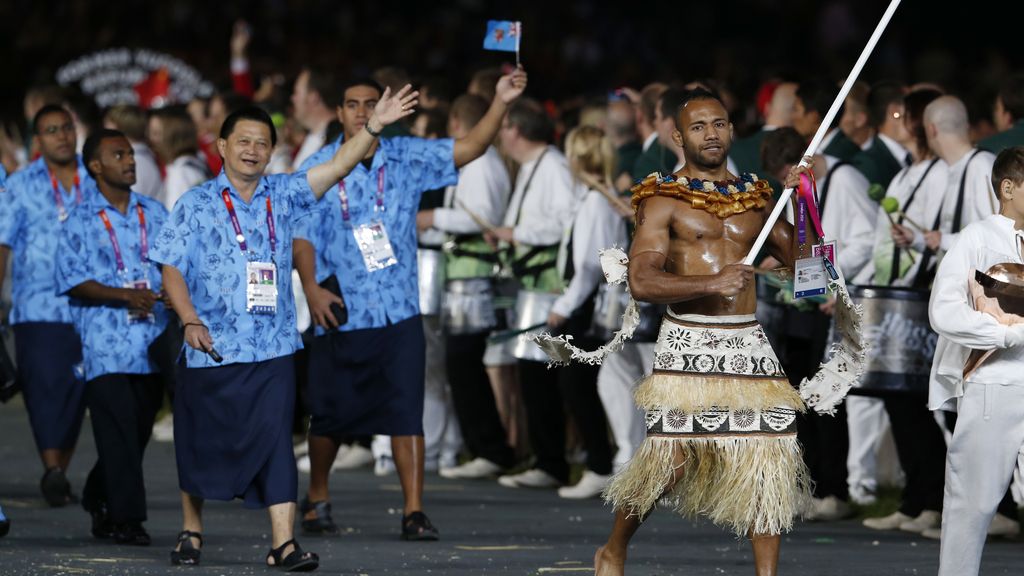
{"points": [[825, 439], [473, 399], [122, 408], [545, 390], [921, 450]]}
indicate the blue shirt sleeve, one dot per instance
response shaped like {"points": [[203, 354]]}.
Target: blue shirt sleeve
{"points": [[300, 195], [10, 208], [172, 245], [74, 266]]}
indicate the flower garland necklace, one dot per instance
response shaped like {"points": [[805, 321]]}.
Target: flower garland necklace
{"points": [[722, 198]]}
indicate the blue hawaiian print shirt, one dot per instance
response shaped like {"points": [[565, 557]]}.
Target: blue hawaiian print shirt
{"points": [[200, 242], [110, 343], [30, 225], [411, 166]]}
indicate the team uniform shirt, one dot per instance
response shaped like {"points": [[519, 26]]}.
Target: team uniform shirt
{"points": [[848, 217], [386, 197], [185, 172], [542, 217], [979, 202], [483, 188], [597, 226], [114, 340], [199, 239], [148, 181], [961, 328], [30, 222]]}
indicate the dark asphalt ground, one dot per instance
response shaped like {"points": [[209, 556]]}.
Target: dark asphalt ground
{"points": [[485, 529]]}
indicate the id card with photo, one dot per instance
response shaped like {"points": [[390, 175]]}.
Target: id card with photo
{"points": [[373, 242], [135, 316], [261, 288], [809, 278]]}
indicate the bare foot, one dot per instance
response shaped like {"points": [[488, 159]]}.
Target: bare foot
{"points": [[605, 564]]}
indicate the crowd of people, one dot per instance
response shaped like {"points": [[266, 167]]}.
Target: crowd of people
{"points": [[354, 272]]}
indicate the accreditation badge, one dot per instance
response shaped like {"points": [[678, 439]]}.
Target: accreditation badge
{"points": [[809, 278], [136, 316], [261, 288], [373, 242]]}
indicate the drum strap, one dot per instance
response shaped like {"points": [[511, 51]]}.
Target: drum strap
{"points": [[896, 251], [924, 274], [823, 192]]}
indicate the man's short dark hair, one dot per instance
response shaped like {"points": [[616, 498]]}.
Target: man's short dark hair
{"points": [[817, 95], [780, 148], [1009, 165], [1012, 95], [469, 109], [359, 81], [91, 148], [252, 113], [882, 95], [324, 83], [674, 100], [46, 111], [530, 119]]}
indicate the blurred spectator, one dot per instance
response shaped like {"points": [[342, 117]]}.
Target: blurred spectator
{"points": [[1008, 116], [131, 121], [175, 139], [313, 100]]}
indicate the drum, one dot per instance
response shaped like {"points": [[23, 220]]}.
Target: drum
{"points": [[430, 264], [609, 306], [532, 308], [900, 337], [468, 306]]}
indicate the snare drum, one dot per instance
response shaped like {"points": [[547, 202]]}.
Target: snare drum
{"points": [[430, 264], [609, 306], [468, 306], [532, 308], [900, 337]]}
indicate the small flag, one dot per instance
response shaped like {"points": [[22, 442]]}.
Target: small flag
{"points": [[503, 35], [153, 92]]}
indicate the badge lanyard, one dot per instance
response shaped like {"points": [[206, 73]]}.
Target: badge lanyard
{"points": [[226, 195], [59, 198], [143, 238], [346, 215]]}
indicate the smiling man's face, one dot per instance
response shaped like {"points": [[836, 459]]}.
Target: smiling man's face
{"points": [[247, 149], [704, 132]]}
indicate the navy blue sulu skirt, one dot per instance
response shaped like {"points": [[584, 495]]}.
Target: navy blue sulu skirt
{"points": [[46, 353], [369, 381], [232, 432]]}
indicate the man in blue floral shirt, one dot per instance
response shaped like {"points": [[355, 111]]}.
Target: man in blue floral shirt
{"points": [[103, 264], [367, 376], [232, 422], [37, 200]]}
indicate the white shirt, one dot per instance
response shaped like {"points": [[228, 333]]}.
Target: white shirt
{"points": [[981, 245], [314, 140], [650, 141], [979, 200], [896, 149], [148, 181], [849, 219], [182, 174], [597, 226], [548, 206], [921, 210], [484, 188]]}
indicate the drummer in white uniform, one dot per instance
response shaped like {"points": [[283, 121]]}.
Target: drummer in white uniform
{"points": [[468, 313], [538, 216]]}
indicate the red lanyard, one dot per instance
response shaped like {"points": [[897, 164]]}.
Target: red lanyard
{"points": [[143, 237], [58, 197], [346, 216], [226, 195]]}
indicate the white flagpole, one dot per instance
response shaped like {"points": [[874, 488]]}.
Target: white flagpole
{"points": [[519, 34], [826, 122]]}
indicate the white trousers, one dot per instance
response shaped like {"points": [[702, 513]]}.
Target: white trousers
{"points": [[442, 438], [866, 421], [979, 466], [620, 373]]}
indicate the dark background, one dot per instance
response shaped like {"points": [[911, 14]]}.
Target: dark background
{"points": [[571, 48]]}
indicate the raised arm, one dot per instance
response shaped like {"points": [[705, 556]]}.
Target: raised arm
{"points": [[472, 145], [648, 280], [390, 108]]}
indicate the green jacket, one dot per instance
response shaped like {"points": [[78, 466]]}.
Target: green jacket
{"points": [[996, 143], [877, 164], [627, 155], [842, 147], [746, 152], [656, 159]]}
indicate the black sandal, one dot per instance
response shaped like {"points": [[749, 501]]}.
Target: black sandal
{"points": [[417, 526], [323, 524], [187, 554], [297, 561]]}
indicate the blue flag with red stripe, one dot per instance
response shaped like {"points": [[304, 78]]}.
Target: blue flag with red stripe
{"points": [[503, 35]]}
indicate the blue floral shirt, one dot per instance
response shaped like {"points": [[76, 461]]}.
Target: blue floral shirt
{"points": [[30, 225], [411, 166], [110, 343], [200, 242]]}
